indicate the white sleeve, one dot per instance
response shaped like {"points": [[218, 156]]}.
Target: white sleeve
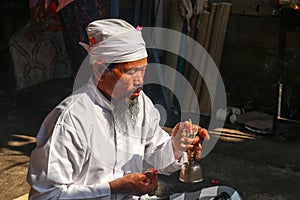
{"points": [[74, 191], [54, 176], [159, 149]]}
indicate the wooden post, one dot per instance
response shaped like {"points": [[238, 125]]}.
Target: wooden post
{"points": [[214, 44], [210, 25], [201, 36], [175, 23]]}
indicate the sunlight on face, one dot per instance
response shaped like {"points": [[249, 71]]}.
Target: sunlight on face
{"points": [[125, 81]]}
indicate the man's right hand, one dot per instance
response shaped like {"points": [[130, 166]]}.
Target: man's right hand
{"points": [[181, 142], [134, 184]]}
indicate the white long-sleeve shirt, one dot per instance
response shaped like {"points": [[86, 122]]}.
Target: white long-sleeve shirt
{"points": [[79, 148]]}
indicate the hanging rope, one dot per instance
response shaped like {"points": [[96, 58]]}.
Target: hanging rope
{"points": [[198, 7], [187, 10]]}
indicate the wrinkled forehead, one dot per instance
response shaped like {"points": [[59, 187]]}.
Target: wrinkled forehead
{"points": [[142, 63], [138, 64]]}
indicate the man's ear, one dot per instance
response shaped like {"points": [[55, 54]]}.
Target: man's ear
{"points": [[98, 70]]}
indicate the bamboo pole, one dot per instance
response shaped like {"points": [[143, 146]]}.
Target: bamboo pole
{"points": [[215, 47], [210, 25], [175, 22], [204, 97], [202, 27], [219, 31], [201, 36], [226, 7]]}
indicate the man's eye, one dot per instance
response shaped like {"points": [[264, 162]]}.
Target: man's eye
{"points": [[131, 72], [134, 70]]}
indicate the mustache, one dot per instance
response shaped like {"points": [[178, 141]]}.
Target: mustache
{"points": [[137, 88], [140, 87]]}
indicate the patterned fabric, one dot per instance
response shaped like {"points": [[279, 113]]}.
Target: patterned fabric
{"points": [[38, 61], [210, 193], [75, 17]]}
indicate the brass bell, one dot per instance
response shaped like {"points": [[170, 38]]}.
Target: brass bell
{"points": [[191, 171]]}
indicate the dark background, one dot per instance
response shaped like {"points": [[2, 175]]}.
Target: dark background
{"points": [[250, 60], [263, 167]]}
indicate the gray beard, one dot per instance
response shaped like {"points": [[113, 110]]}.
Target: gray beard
{"points": [[125, 115]]}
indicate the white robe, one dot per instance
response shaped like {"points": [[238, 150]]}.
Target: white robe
{"points": [[80, 149]]}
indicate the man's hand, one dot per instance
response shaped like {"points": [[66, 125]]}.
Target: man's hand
{"points": [[181, 142], [135, 184]]}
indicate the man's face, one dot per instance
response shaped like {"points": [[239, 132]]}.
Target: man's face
{"points": [[124, 81]]}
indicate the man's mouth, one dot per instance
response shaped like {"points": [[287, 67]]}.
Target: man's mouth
{"points": [[136, 93]]}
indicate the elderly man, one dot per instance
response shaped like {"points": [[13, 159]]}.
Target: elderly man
{"points": [[93, 144]]}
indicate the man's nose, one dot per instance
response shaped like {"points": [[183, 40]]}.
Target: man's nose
{"points": [[139, 78]]}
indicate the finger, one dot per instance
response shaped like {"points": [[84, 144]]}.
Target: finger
{"points": [[195, 140], [186, 140], [178, 129], [185, 143], [190, 141], [186, 125], [203, 133], [198, 152], [175, 129], [183, 147], [189, 146]]}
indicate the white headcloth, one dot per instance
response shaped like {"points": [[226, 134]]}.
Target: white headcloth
{"points": [[114, 41]]}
